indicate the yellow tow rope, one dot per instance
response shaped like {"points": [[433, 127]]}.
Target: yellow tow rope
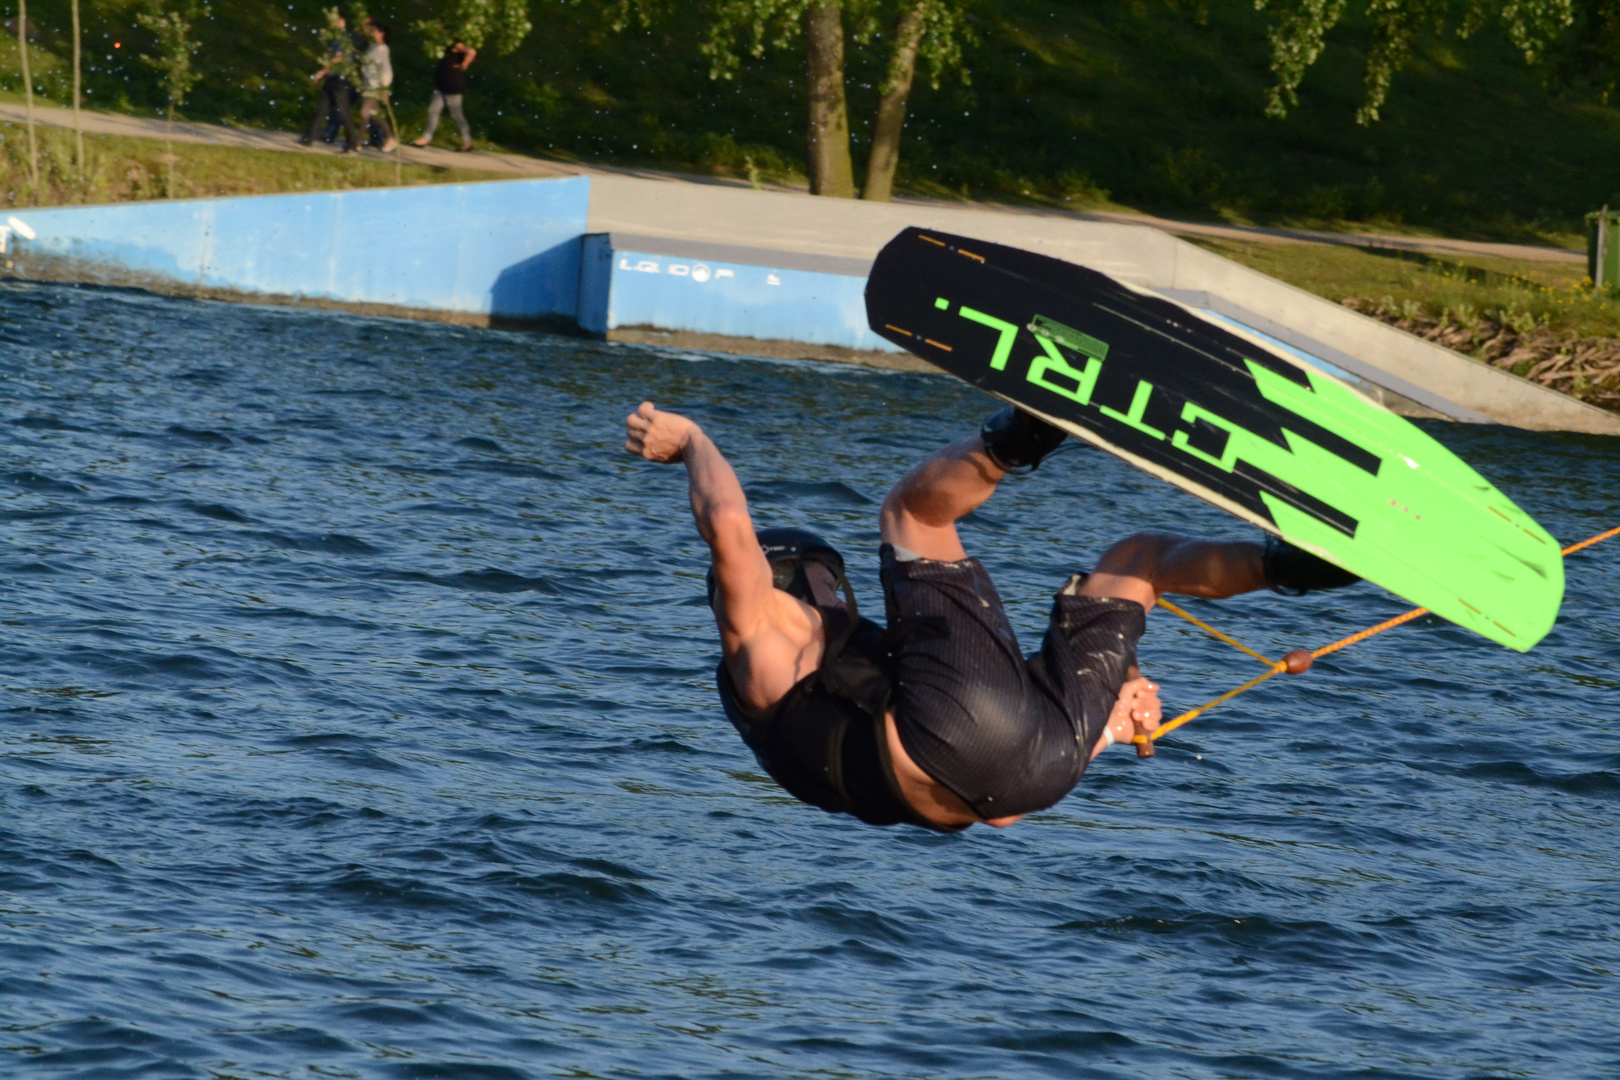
{"points": [[1297, 662]]}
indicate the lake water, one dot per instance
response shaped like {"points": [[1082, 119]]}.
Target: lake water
{"points": [[358, 720]]}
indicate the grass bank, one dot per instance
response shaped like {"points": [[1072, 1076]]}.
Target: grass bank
{"points": [[1148, 104], [122, 169], [1537, 319]]}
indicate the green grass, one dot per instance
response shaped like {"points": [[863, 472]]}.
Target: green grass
{"points": [[1537, 319], [119, 169], [1121, 102], [1513, 292]]}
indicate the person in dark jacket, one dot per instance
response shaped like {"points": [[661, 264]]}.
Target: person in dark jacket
{"points": [[449, 85], [938, 719], [337, 79]]}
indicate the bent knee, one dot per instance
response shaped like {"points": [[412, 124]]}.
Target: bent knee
{"points": [[898, 525]]}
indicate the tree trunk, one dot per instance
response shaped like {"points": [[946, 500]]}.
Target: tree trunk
{"points": [[28, 88], [78, 126], [831, 171], [891, 114], [168, 157]]}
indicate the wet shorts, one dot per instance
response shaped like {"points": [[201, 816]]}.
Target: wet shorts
{"points": [[1008, 735]]}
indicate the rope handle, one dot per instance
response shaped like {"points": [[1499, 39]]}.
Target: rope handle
{"points": [[1298, 661]]}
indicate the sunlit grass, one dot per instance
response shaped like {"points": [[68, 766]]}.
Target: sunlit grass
{"points": [[120, 169], [1155, 106], [1519, 293], [1541, 320]]}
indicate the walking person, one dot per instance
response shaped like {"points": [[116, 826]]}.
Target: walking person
{"points": [[337, 84], [376, 76], [449, 84]]}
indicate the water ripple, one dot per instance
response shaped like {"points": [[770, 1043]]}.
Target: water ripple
{"points": [[358, 720]]}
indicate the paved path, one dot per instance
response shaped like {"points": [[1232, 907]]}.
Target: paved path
{"points": [[101, 123], [1431, 245]]}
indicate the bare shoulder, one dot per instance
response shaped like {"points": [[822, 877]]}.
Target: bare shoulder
{"points": [[785, 646]]}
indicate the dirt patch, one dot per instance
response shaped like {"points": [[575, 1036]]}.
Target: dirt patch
{"points": [[1585, 368]]}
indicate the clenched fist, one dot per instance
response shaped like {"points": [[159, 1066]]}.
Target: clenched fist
{"points": [[1137, 711], [657, 435]]}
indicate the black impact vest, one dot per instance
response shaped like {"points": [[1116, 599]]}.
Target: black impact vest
{"points": [[820, 742]]}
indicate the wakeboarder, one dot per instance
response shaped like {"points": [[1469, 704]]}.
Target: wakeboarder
{"points": [[938, 720]]}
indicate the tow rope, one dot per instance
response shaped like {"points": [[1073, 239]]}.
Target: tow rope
{"points": [[1296, 662]]}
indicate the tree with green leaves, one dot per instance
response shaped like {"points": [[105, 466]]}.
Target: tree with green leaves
{"points": [[175, 47], [739, 28], [1586, 60], [936, 32], [1298, 31], [335, 44], [932, 30], [503, 24]]}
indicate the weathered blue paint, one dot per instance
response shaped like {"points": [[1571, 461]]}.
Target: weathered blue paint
{"points": [[762, 294], [506, 249]]}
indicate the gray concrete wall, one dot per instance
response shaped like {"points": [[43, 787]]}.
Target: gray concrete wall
{"points": [[720, 214]]}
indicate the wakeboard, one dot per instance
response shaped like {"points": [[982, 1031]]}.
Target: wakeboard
{"points": [[1229, 418]]}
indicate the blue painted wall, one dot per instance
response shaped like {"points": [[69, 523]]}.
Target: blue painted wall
{"points": [[506, 249], [513, 249], [620, 288]]}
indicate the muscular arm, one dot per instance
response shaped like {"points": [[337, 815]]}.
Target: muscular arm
{"points": [[720, 511], [921, 511], [770, 640]]}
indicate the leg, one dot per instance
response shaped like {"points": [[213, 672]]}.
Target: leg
{"points": [[968, 738], [346, 117], [323, 108], [372, 113], [1087, 657], [920, 514], [435, 109], [1148, 565], [454, 101], [921, 511], [334, 116]]}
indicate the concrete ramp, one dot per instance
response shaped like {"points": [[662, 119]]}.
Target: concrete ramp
{"points": [[1409, 374], [700, 265]]}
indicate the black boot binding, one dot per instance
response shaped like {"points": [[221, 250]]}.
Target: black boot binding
{"points": [[1015, 439], [1292, 572]]}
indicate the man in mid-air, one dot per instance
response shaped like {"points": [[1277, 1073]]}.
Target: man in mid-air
{"points": [[938, 720]]}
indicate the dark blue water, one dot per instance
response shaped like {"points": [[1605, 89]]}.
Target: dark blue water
{"points": [[357, 721]]}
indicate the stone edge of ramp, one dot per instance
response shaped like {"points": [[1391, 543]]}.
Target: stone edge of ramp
{"points": [[848, 229]]}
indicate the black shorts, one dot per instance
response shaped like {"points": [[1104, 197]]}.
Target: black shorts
{"points": [[1008, 735]]}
